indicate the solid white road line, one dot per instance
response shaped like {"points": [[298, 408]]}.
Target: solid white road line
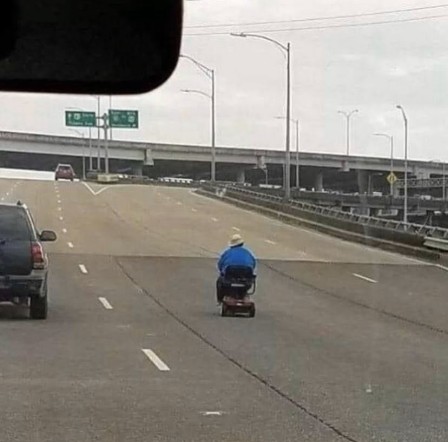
{"points": [[83, 269], [440, 266], [70, 245], [270, 242], [106, 303], [155, 360], [364, 278]]}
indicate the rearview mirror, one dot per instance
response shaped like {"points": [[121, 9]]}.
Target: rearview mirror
{"points": [[47, 236], [85, 46]]}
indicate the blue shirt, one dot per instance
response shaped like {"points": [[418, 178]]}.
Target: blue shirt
{"points": [[236, 256]]}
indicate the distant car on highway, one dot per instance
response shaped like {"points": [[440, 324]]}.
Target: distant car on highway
{"points": [[23, 261], [64, 172]]}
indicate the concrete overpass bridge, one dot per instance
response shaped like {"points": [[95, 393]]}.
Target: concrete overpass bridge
{"points": [[232, 163]]}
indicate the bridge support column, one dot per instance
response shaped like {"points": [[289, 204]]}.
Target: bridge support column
{"points": [[137, 170], [319, 182], [363, 181], [241, 176]]}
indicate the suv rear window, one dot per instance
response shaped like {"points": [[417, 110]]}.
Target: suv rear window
{"points": [[14, 224], [65, 168]]}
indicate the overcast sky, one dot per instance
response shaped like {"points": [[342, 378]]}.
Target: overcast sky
{"points": [[370, 68]]}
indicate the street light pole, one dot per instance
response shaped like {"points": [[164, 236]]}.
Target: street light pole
{"points": [[210, 73], [90, 150], [443, 182], [347, 116], [106, 143], [286, 49], [213, 170], [405, 211], [391, 141], [296, 122], [81, 134]]}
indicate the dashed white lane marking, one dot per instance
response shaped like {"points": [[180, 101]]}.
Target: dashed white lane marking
{"points": [[365, 278], [106, 303], [215, 220], [179, 203], [83, 269], [64, 230], [236, 229], [3, 199], [59, 201], [194, 210], [59, 209], [155, 359], [272, 243], [212, 413], [70, 244], [61, 218]]}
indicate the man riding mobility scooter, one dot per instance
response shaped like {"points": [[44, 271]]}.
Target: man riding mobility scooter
{"points": [[237, 279]]}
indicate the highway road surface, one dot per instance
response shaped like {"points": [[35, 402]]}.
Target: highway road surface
{"points": [[349, 343]]}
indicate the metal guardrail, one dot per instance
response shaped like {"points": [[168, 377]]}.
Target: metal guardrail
{"points": [[417, 229], [436, 243], [423, 183]]}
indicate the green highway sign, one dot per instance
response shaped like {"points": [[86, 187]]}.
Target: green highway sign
{"points": [[80, 119], [123, 119]]}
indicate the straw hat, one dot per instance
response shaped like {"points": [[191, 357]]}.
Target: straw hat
{"points": [[236, 240]]}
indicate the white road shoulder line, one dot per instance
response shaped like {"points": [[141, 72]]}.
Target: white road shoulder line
{"points": [[83, 269], [70, 244], [365, 278], [155, 359], [106, 303], [440, 266]]}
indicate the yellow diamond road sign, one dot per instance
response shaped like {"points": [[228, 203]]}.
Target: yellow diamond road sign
{"points": [[391, 178]]}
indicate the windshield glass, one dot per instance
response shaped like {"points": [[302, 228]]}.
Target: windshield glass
{"points": [[255, 251]]}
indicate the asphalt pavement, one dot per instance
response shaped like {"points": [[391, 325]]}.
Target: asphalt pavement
{"points": [[349, 342]]}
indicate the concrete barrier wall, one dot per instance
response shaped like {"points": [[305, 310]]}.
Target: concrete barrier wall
{"points": [[401, 242]]}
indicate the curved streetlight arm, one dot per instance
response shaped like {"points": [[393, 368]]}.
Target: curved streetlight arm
{"points": [[389, 137], [348, 114], [206, 70], [403, 113], [263, 37], [195, 91]]}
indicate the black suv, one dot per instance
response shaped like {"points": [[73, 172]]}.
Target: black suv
{"points": [[23, 261]]}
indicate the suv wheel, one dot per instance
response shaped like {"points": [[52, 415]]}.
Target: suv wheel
{"points": [[39, 307]]}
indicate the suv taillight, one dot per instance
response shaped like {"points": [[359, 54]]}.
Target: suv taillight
{"points": [[38, 257]]}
